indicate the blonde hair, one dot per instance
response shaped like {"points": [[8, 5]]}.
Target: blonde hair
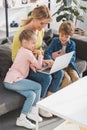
{"points": [[67, 28], [27, 35], [40, 12]]}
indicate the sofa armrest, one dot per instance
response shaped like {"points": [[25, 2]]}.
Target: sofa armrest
{"points": [[81, 48], [5, 60], [82, 66]]}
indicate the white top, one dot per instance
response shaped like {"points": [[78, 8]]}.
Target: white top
{"points": [[63, 50], [69, 103]]}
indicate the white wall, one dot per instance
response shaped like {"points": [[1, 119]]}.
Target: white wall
{"points": [[53, 8], [16, 13], [55, 25], [83, 25]]}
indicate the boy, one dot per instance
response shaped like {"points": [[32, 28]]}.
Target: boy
{"points": [[62, 45]]}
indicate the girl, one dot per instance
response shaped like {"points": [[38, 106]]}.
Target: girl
{"points": [[16, 78]]}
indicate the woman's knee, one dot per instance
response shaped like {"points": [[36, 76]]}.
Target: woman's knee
{"points": [[58, 74], [61, 73], [48, 78]]}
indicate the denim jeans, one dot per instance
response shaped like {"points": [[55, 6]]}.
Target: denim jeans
{"points": [[29, 89], [43, 79], [57, 78], [50, 83]]}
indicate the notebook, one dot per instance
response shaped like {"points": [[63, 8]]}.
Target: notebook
{"points": [[60, 62]]}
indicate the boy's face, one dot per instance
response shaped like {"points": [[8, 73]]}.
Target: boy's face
{"points": [[30, 45], [64, 38]]}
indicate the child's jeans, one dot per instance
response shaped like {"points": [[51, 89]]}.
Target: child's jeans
{"points": [[70, 75], [29, 89]]}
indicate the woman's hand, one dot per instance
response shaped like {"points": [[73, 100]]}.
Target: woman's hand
{"points": [[56, 54]]}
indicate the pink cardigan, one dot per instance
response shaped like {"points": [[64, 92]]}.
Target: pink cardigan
{"points": [[20, 68]]}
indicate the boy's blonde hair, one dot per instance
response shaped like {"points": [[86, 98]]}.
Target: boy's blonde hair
{"points": [[40, 12], [67, 28], [27, 35]]}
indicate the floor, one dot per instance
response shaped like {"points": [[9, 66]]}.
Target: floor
{"points": [[7, 122]]}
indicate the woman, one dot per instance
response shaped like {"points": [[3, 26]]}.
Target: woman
{"points": [[39, 18]]}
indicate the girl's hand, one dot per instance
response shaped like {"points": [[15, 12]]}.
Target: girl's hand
{"points": [[56, 54], [49, 63], [37, 52]]}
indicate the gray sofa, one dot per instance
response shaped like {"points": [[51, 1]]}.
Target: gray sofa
{"points": [[81, 51], [10, 100]]}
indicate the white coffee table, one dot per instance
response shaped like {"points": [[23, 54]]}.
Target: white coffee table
{"points": [[69, 103], [68, 125]]}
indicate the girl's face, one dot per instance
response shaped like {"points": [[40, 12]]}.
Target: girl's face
{"points": [[30, 45], [40, 24], [64, 38]]}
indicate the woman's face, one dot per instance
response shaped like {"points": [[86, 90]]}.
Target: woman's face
{"points": [[40, 24]]}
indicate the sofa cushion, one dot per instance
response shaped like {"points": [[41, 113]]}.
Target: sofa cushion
{"points": [[81, 47], [5, 60], [48, 35], [9, 100], [81, 65]]}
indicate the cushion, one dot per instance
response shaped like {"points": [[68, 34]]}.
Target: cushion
{"points": [[5, 60], [81, 65], [9, 100], [48, 35], [81, 48]]}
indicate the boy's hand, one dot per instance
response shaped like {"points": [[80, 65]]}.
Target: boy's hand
{"points": [[56, 54]]}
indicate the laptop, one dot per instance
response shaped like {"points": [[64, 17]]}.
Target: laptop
{"points": [[60, 62]]}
